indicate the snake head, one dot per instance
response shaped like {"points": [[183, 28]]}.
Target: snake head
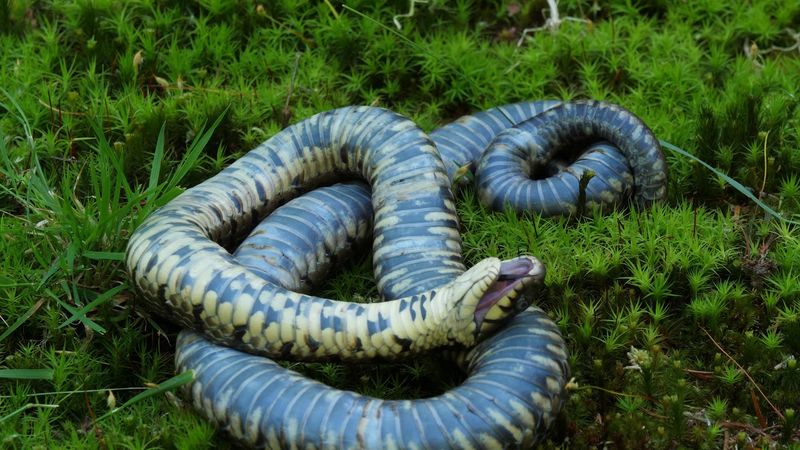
{"points": [[488, 294]]}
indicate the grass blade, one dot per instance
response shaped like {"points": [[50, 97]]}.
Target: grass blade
{"points": [[106, 256], [25, 408], [21, 319], [54, 266], [169, 385], [6, 282], [20, 116], [100, 299], [105, 149], [155, 169], [193, 153], [735, 184], [27, 374], [76, 312]]}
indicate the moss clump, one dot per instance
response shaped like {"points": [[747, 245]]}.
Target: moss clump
{"points": [[671, 314]]}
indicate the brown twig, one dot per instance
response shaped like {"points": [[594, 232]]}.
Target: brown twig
{"points": [[700, 374], [654, 414], [745, 426], [757, 407], [775, 409], [609, 391], [188, 88], [59, 111], [170, 87], [98, 432]]}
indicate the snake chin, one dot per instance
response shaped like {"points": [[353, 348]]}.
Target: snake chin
{"points": [[507, 295]]}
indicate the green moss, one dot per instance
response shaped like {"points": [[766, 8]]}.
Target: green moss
{"points": [[633, 291]]}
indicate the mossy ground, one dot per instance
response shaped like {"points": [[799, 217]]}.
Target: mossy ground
{"points": [[683, 321]]}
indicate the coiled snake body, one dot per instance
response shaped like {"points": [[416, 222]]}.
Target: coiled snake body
{"points": [[178, 262]]}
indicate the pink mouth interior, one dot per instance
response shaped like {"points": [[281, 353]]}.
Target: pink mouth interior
{"points": [[513, 274]]}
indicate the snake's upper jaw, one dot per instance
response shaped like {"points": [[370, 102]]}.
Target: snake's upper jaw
{"points": [[504, 298]]}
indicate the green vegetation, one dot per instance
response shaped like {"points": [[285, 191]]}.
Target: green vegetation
{"points": [[683, 321]]}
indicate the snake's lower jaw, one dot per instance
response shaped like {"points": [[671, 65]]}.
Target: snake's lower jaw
{"points": [[506, 297]]}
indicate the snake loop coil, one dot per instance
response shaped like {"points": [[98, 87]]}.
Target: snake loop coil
{"points": [[255, 299]]}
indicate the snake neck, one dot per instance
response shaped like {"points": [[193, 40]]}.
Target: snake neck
{"points": [[249, 313], [303, 327], [289, 325]]}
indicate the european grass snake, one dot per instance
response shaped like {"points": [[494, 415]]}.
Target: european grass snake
{"points": [[180, 263]]}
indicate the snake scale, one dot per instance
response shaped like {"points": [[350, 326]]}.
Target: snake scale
{"points": [[255, 299]]}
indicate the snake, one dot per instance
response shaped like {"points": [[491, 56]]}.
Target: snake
{"points": [[181, 263]]}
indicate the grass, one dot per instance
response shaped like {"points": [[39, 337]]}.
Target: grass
{"points": [[683, 321]]}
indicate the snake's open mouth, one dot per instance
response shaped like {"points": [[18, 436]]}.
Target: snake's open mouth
{"points": [[504, 298]]}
